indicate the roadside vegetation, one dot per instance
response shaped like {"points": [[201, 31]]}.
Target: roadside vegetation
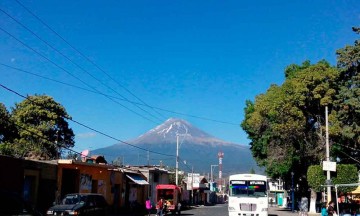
{"points": [[286, 124]]}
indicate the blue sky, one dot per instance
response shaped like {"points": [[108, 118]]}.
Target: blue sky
{"points": [[201, 58]]}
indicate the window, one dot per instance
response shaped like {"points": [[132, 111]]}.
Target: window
{"points": [[156, 177]]}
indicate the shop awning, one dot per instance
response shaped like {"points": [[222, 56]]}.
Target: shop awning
{"points": [[137, 179], [356, 191]]}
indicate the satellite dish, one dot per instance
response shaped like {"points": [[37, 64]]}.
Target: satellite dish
{"points": [[84, 153]]}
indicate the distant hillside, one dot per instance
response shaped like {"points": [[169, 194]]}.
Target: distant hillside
{"points": [[197, 148]]}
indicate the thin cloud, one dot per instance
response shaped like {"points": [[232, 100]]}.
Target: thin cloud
{"points": [[86, 135], [12, 59]]}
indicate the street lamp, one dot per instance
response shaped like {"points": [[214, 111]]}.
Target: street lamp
{"points": [[211, 168], [177, 160], [292, 192], [328, 179]]}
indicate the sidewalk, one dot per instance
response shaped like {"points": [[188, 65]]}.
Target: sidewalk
{"points": [[280, 211]]}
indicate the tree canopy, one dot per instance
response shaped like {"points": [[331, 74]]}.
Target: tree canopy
{"points": [[345, 174], [7, 129], [42, 129], [346, 131], [283, 124], [286, 124]]}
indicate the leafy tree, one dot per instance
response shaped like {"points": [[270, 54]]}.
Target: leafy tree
{"points": [[72, 155], [42, 126], [345, 174], [346, 119], [284, 123], [316, 177], [172, 176], [7, 130]]}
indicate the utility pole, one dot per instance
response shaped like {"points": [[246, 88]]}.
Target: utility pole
{"points": [[192, 184], [177, 160], [148, 157], [211, 169], [327, 153], [292, 192]]}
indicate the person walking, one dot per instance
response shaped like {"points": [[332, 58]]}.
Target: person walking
{"points": [[159, 207], [148, 206], [179, 208], [324, 210], [331, 210]]}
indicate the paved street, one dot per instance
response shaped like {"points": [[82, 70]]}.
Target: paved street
{"points": [[221, 210], [277, 211]]}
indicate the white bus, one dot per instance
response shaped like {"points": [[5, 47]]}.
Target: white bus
{"points": [[248, 195]]}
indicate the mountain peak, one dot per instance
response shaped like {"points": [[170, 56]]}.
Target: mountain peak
{"points": [[167, 132], [173, 127], [194, 145]]}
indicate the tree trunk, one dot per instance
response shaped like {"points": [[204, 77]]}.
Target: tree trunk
{"points": [[312, 201]]}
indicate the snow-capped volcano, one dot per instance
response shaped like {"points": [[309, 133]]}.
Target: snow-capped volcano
{"points": [[195, 146], [168, 131]]}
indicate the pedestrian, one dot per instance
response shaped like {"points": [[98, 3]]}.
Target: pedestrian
{"points": [[324, 210], [164, 210], [331, 210], [148, 206], [179, 208], [159, 207], [57, 196]]}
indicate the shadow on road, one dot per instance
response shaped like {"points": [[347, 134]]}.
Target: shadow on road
{"points": [[280, 212]]}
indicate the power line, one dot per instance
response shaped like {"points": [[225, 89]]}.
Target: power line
{"points": [[74, 63], [95, 92], [97, 66], [357, 161], [46, 139], [88, 127], [349, 147], [84, 56], [63, 69], [185, 163]]}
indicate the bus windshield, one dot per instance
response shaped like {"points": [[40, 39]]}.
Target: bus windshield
{"points": [[247, 188]]}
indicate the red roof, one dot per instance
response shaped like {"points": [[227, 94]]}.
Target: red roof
{"points": [[167, 186]]}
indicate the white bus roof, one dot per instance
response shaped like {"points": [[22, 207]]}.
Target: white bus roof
{"points": [[247, 177]]}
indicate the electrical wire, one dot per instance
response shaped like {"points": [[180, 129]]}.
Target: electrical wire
{"points": [[70, 60], [88, 127], [46, 139], [83, 55], [357, 161], [185, 163], [354, 149], [63, 69], [95, 92]]}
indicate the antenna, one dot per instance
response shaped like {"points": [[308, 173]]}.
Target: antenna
{"points": [[220, 156]]}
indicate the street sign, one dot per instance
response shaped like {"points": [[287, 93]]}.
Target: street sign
{"points": [[329, 166]]}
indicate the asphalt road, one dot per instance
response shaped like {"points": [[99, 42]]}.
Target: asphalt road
{"points": [[221, 210]]}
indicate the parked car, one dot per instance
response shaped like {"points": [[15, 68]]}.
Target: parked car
{"points": [[80, 204], [12, 203]]}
